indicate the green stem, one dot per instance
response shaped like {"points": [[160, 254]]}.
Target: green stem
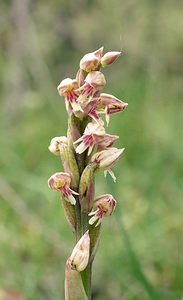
{"points": [[78, 220], [86, 278], [84, 222]]}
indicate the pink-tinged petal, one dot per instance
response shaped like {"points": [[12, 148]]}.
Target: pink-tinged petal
{"points": [[96, 79], [99, 52], [106, 141]]}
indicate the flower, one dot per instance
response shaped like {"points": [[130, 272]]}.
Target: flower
{"points": [[88, 106], [55, 144], [109, 58], [67, 88], [89, 139], [109, 104], [94, 82], [103, 206], [80, 255], [61, 182], [106, 159]]}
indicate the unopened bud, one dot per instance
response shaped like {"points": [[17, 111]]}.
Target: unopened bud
{"points": [[109, 58], [89, 62], [55, 144], [80, 255]]}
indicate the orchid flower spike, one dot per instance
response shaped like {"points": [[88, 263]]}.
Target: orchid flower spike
{"points": [[61, 182], [103, 206]]}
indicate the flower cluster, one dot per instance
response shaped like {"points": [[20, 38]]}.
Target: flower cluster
{"points": [[85, 103]]}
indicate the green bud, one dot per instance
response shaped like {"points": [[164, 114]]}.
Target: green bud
{"points": [[86, 187], [70, 165], [69, 213]]}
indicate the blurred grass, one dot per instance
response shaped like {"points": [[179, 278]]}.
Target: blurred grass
{"points": [[42, 46]]}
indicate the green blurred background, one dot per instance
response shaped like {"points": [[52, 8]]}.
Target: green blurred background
{"points": [[141, 248]]}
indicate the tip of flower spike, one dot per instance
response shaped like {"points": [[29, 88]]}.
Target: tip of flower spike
{"points": [[110, 57]]}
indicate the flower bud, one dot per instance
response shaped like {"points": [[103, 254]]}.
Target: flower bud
{"points": [[89, 62], [74, 288], [103, 206], [80, 255], [106, 159], [109, 58], [55, 144]]}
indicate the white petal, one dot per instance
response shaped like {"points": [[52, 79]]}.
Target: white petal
{"points": [[90, 150], [99, 221], [81, 148], [107, 117], [92, 213], [112, 174], [79, 140], [93, 220], [73, 192], [71, 199], [76, 106]]}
